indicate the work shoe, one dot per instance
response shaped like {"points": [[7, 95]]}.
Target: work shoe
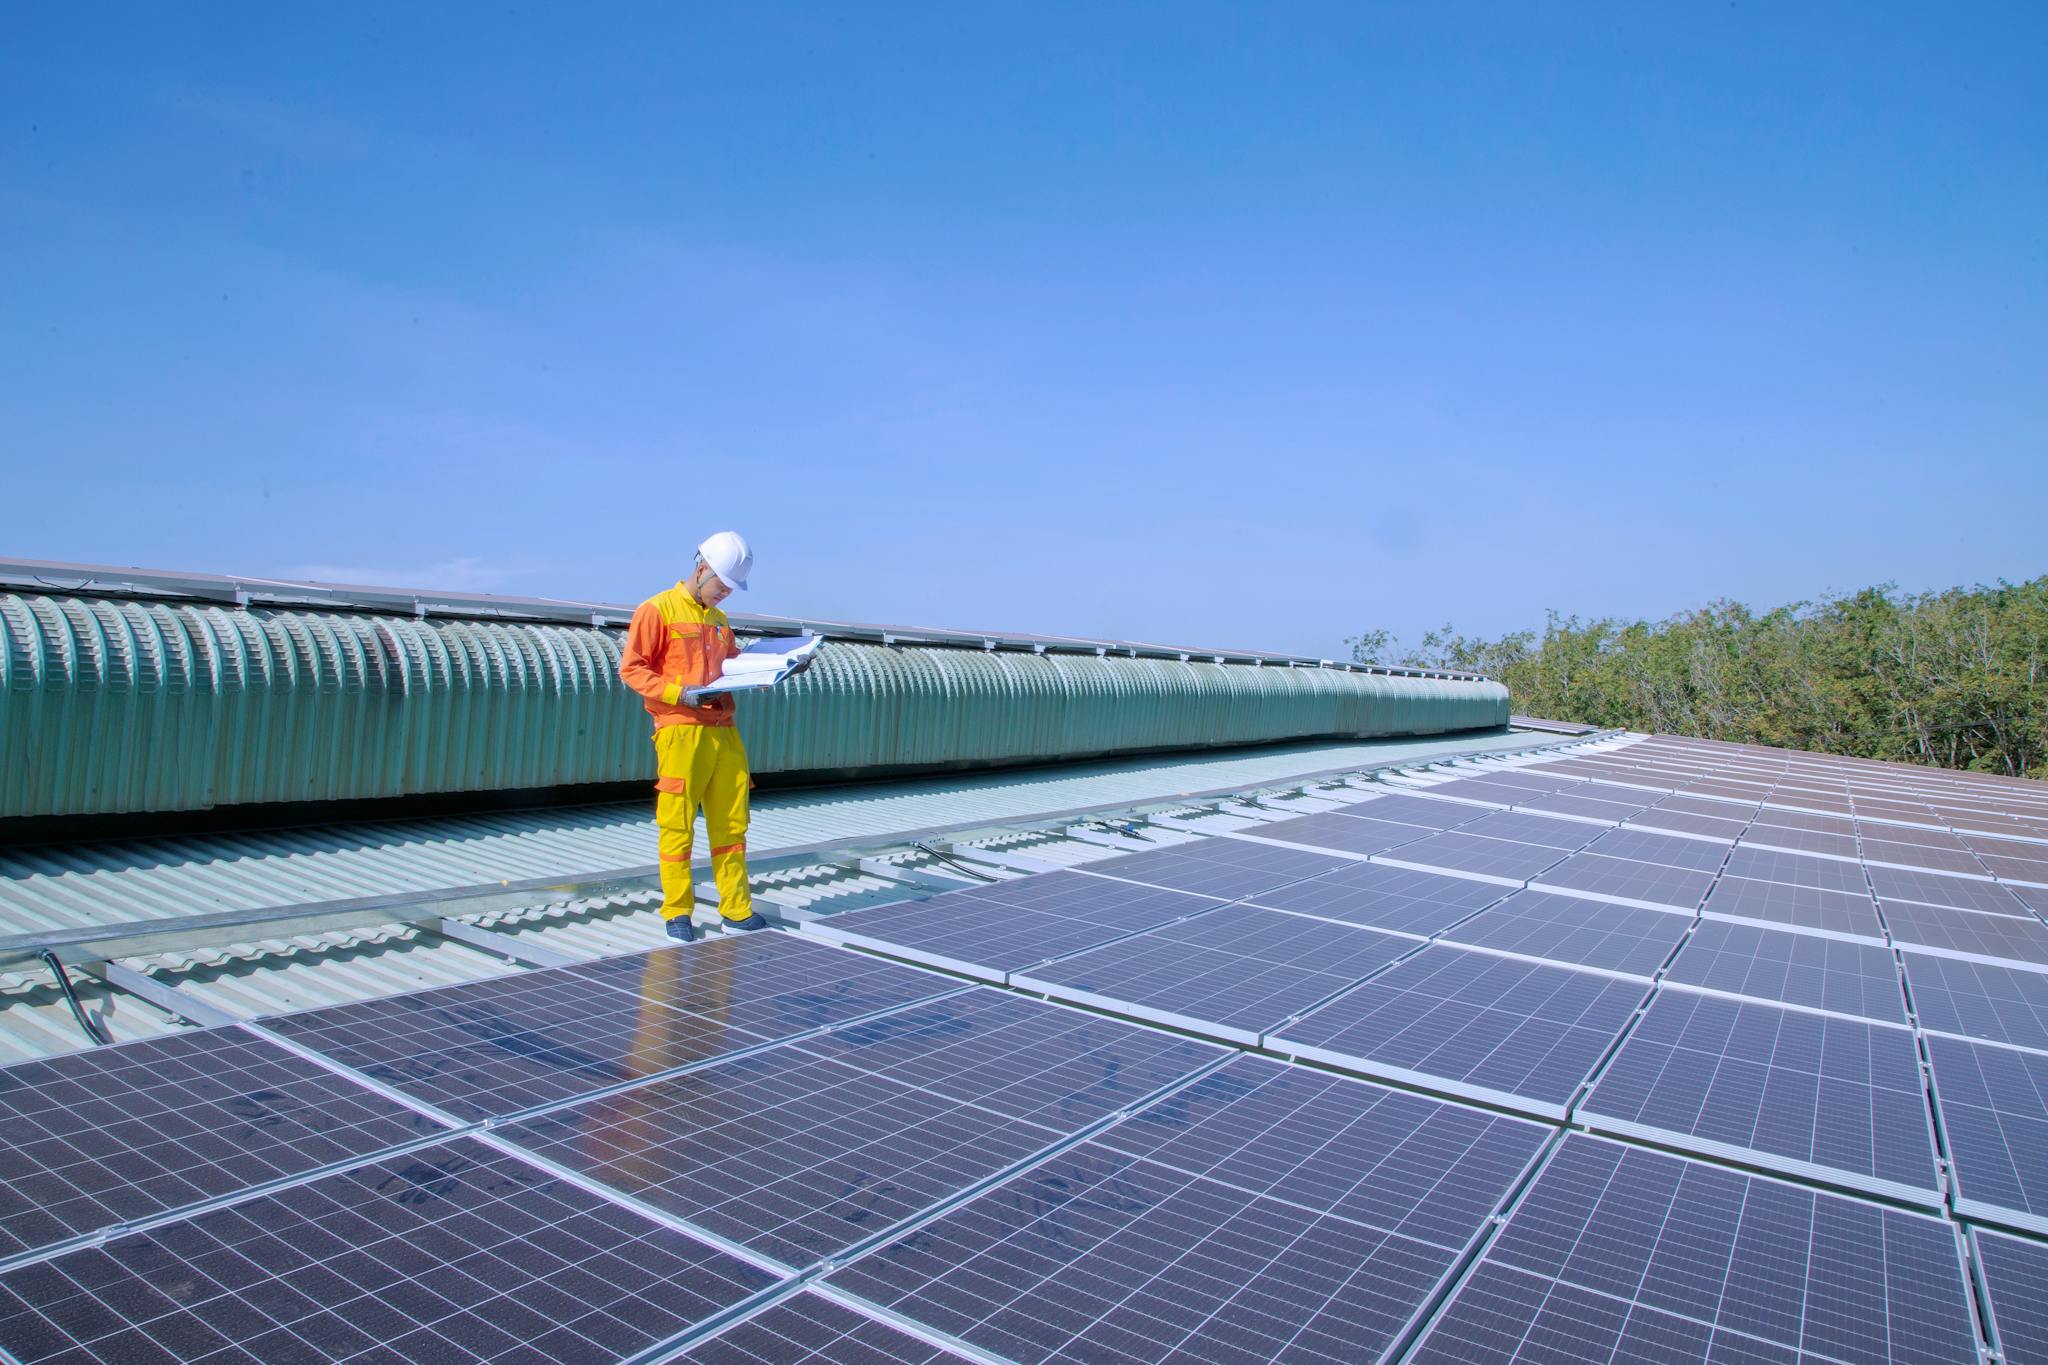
{"points": [[681, 930], [752, 922]]}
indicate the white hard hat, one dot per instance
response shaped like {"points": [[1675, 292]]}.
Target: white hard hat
{"points": [[729, 557]]}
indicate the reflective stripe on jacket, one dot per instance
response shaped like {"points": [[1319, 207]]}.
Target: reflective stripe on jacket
{"points": [[675, 643]]}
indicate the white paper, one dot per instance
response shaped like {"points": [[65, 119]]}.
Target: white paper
{"points": [[763, 663]]}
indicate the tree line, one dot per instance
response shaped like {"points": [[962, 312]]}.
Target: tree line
{"points": [[1955, 679]]}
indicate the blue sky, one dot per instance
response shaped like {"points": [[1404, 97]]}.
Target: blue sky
{"points": [[1254, 325]]}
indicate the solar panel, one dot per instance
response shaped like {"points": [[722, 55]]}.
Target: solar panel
{"points": [[1836, 975], [1590, 806], [2033, 897], [1480, 790], [1695, 855], [1508, 1031], [1980, 1000], [2015, 1275], [91, 1139], [1532, 781], [1415, 810], [1678, 822], [1233, 974], [1221, 867], [1964, 933], [1099, 1255], [801, 1151], [1381, 897], [1917, 856], [1805, 909], [1543, 830], [1793, 869], [1799, 841], [1475, 855], [1928, 888], [1652, 884], [1342, 830], [974, 932], [453, 1252], [489, 1048], [1721, 811], [2027, 870], [1821, 1096], [1993, 1103], [1835, 825], [1571, 929], [1617, 1253], [811, 1329]]}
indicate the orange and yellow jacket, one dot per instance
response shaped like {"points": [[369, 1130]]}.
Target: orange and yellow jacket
{"points": [[675, 643]]}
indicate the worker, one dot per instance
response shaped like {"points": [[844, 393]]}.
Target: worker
{"points": [[679, 639]]}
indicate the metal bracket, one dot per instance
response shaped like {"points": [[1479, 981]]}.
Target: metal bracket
{"points": [[504, 945], [169, 999]]}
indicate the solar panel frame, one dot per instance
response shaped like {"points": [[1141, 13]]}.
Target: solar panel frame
{"points": [[1406, 808], [1344, 831], [1807, 971], [490, 1048], [814, 1328], [1618, 1252], [1574, 931], [93, 1139], [1473, 855], [1382, 896], [1694, 855], [1981, 1001], [1932, 888], [1513, 1032], [2013, 1271], [1222, 868], [801, 1152], [1233, 974], [1795, 869], [1100, 1255], [1993, 1103], [1625, 881], [1759, 1084], [454, 1251], [1965, 934], [1544, 831]]}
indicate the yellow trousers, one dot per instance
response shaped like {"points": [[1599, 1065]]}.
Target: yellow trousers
{"points": [[702, 766]]}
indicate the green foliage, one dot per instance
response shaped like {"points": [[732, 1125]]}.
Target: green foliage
{"points": [[1957, 679]]}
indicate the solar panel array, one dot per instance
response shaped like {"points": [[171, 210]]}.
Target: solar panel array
{"points": [[1793, 999]]}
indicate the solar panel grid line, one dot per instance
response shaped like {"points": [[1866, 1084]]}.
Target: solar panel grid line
{"points": [[1614, 1252], [1596, 877], [1654, 1066], [945, 1342], [2010, 1274]]}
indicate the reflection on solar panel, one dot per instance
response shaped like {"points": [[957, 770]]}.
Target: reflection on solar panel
{"points": [[494, 1047], [1544, 830], [801, 1151], [1618, 938], [1476, 856], [1512, 1032], [986, 932], [1837, 975], [455, 1252], [1225, 868], [1964, 933], [2014, 1273], [811, 1329], [1994, 1112], [1344, 830], [1795, 869], [1333, 1214], [1233, 974], [1695, 855], [1928, 888], [1651, 884], [1980, 1000], [109, 1136], [1382, 897], [1415, 810], [1794, 907], [1623, 1254], [1822, 1096]]}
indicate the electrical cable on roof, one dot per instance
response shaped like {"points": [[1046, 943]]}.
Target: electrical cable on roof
{"points": [[85, 1022], [928, 850]]}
